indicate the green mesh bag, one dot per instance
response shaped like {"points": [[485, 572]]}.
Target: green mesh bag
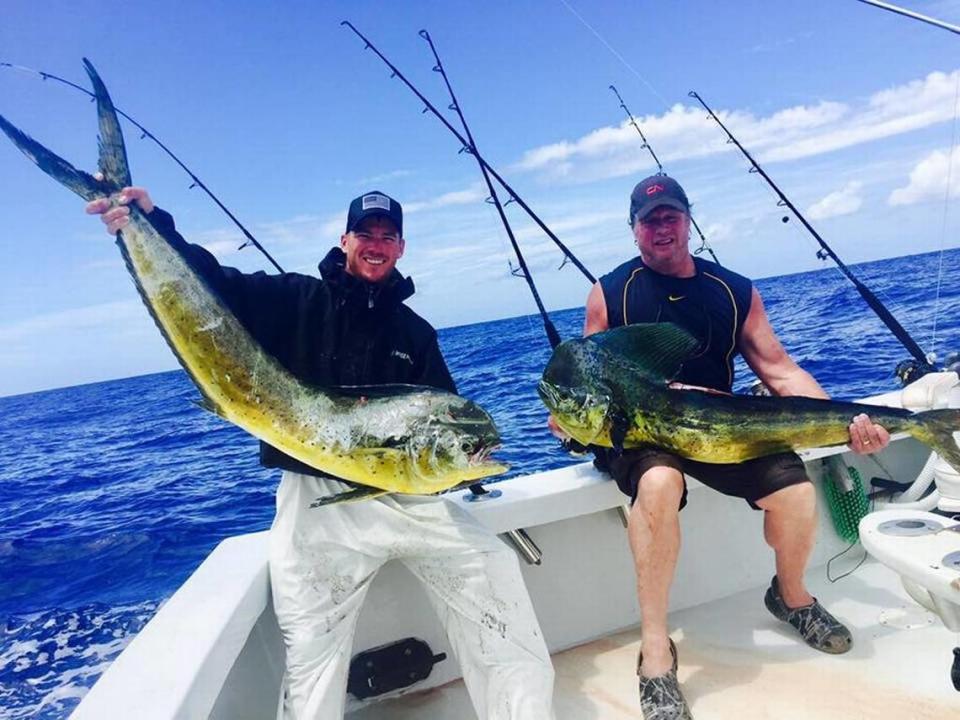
{"points": [[846, 497]]}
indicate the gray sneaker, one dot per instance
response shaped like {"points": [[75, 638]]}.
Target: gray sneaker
{"points": [[660, 697], [818, 628]]}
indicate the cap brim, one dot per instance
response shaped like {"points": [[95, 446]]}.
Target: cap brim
{"points": [[372, 212], [661, 202]]}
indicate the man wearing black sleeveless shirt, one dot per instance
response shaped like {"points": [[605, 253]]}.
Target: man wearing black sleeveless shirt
{"points": [[665, 283]]}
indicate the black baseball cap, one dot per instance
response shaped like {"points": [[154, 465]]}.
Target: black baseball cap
{"points": [[374, 203], [654, 191]]}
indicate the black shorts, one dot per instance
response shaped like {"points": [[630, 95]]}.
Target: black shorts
{"points": [[751, 480]]}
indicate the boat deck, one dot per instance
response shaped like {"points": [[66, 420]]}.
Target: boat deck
{"points": [[736, 660]]}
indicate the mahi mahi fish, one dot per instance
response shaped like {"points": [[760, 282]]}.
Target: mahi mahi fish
{"points": [[612, 389], [392, 438]]}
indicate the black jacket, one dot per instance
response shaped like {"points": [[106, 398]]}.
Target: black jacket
{"points": [[339, 330]]}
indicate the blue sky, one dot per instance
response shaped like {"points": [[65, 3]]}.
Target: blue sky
{"points": [[286, 117]]}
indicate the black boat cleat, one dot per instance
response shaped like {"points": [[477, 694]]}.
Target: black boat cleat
{"points": [[818, 628]]}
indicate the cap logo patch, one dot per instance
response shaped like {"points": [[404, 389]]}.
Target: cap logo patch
{"points": [[376, 201], [654, 189]]}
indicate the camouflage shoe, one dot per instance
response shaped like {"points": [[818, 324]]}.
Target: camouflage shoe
{"points": [[660, 697], [818, 628]]}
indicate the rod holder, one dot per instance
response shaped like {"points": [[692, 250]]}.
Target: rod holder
{"points": [[525, 545], [622, 514]]}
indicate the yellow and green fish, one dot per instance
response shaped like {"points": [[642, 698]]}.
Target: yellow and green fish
{"points": [[612, 389], [399, 438]]}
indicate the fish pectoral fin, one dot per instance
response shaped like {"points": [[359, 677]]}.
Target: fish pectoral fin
{"points": [[362, 492], [656, 349], [619, 424], [209, 405]]}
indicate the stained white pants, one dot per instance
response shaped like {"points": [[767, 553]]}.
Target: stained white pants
{"points": [[322, 561]]}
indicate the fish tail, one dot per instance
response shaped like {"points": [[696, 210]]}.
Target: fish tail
{"points": [[936, 428], [113, 154], [113, 151], [82, 183], [362, 492]]}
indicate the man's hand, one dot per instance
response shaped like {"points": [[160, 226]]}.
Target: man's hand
{"points": [[117, 217], [867, 437]]}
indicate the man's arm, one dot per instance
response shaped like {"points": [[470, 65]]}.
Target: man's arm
{"points": [[765, 355], [596, 320], [265, 304]]}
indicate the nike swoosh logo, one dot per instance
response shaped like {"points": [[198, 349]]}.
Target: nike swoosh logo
{"points": [[671, 298]]}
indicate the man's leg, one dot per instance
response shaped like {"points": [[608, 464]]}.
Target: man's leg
{"points": [[790, 528], [319, 577], [654, 532], [790, 524], [476, 588]]}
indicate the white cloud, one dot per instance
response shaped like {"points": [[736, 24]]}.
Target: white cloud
{"points": [[844, 201], [787, 134], [470, 195], [376, 179], [84, 318], [928, 179]]}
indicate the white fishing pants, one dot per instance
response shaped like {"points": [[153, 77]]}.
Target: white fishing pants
{"points": [[323, 560]]}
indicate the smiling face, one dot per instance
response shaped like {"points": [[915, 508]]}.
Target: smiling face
{"points": [[663, 237], [372, 248]]}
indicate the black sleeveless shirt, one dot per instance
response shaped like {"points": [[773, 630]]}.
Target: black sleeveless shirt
{"points": [[712, 306]]}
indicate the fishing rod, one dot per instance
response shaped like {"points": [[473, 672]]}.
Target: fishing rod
{"points": [[552, 335], [646, 144], [913, 15], [144, 133], [468, 148], [924, 365]]}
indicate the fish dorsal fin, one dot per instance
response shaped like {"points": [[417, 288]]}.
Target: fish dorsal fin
{"points": [[656, 349]]}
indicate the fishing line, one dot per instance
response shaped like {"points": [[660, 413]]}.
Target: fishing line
{"points": [[704, 245], [921, 364], [839, 555], [844, 552], [144, 133], [552, 335], [467, 147], [946, 210], [616, 54]]}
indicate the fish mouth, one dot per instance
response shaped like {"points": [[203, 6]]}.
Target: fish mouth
{"points": [[483, 454]]}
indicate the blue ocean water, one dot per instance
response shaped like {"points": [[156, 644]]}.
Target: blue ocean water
{"points": [[111, 494]]}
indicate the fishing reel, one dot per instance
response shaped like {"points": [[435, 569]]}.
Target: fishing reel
{"points": [[911, 370]]}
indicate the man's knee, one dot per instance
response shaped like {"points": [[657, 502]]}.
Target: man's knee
{"points": [[659, 489], [799, 499]]}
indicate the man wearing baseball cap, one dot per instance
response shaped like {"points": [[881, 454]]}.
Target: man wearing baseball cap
{"points": [[665, 283], [351, 327]]}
